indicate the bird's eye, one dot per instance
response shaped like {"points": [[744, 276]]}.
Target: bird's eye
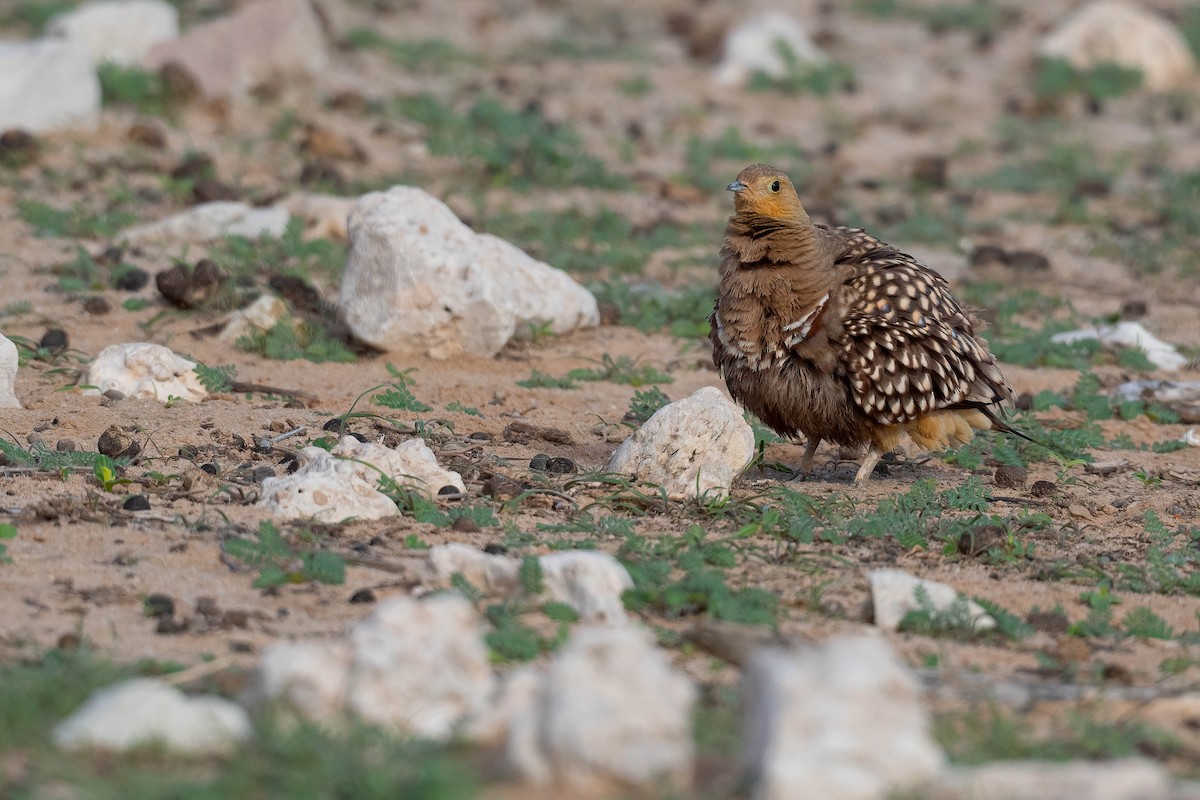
{"points": [[775, 186]]}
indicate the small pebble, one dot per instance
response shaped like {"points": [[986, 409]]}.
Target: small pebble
{"points": [[210, 468], [363, 596], [1010, 477], [137, 502], [260, 474], [481, 436], [1042, 488], [237, 618], [114, 394], [447, 490], [539, 462], [464, 524], [206, 606], [55, 340], [133, 279], [560, 466], [116, 443], [170, 625], [495, 549], [97, 306], [66, 446]]}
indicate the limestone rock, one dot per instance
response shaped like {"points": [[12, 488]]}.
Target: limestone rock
{"points": [[144, 371], [258, 317], [420, 282], [344, 482], [411, 464], [305, 678], [209, 221], [325, 215], [120, 31], [326, 489], [144, 711], [1123, 779], [842, 721], [893, 594], [420, 667], [267, 42], [755, 45], [8, 373], [1117, 32], [1182, 397], [590, 582], [46, 84], [610, 708], [693, 447], [1130, 334]]}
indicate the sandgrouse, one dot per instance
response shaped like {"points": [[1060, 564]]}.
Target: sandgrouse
{"points": [[830, 333]]}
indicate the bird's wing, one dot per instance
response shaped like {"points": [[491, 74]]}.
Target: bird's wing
{"points": [[907, 345]]}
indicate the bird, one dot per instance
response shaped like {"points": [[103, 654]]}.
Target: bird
{"points": [[828, 333]]}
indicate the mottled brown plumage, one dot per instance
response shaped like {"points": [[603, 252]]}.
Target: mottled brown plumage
{"points": [[829, 333]]}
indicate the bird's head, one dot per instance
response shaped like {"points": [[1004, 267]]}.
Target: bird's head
{"points": [[765, 191]]}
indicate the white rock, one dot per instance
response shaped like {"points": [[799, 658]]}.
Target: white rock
{"points": [[9, 359], [143, 371], [209, 221], [1130, 334], [693, 447], [411, 464], [46, 84], [120, 31], [325, 488], [266, 42], [420, 282], [420, 667], [325, 215], [1191, 437], [258, 317], [589, 581], [842, 721], [609, 708], [144, 711], [893, 594], [1123, 779], [1113, 32], [309, 679], [755, 45], [491, 574]]}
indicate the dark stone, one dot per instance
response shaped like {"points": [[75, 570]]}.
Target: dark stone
{"points": [[116, 443], [930, 171], [97, 306], [136, 502], [332, 424], [495, 549], [55, 340], [987, 255], [481, 436], [147, 134], [363, 596], [195, 167], [206, 606], [208, 190], [982, 538], [464, 524], [260, 474], [210, 468], [1042, 488], [1011, 477], [132, 279], [1028, 261], [159, 605], [561, 466], [539, 462], [1048, 621], [66, 446], [447, 490], [1134, 309], [190, 287], [237, 618], [169, 626], [18, 147]]}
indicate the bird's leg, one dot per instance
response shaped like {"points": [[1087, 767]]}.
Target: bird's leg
{"points": [[868, 464], [810, 450]]}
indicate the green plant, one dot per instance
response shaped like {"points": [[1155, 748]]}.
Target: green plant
{"points": [[621, 369], [651, 307], [458, 408], [137, 88], [75, 223], [398, 395], [107, 475], [802, 78], [288, 340], [1056, 78], [643, 404], [279, 563], [730, 151], [521, 149], [291, 254], [426, 56], [43, 459], [957, 621], [540, 380], [218, 379], [8, 532]]}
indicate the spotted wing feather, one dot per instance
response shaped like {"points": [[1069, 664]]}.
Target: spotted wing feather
{"points": [[908, 346]]}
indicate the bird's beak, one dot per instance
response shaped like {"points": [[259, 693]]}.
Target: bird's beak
{"points": [[736, 186]]}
